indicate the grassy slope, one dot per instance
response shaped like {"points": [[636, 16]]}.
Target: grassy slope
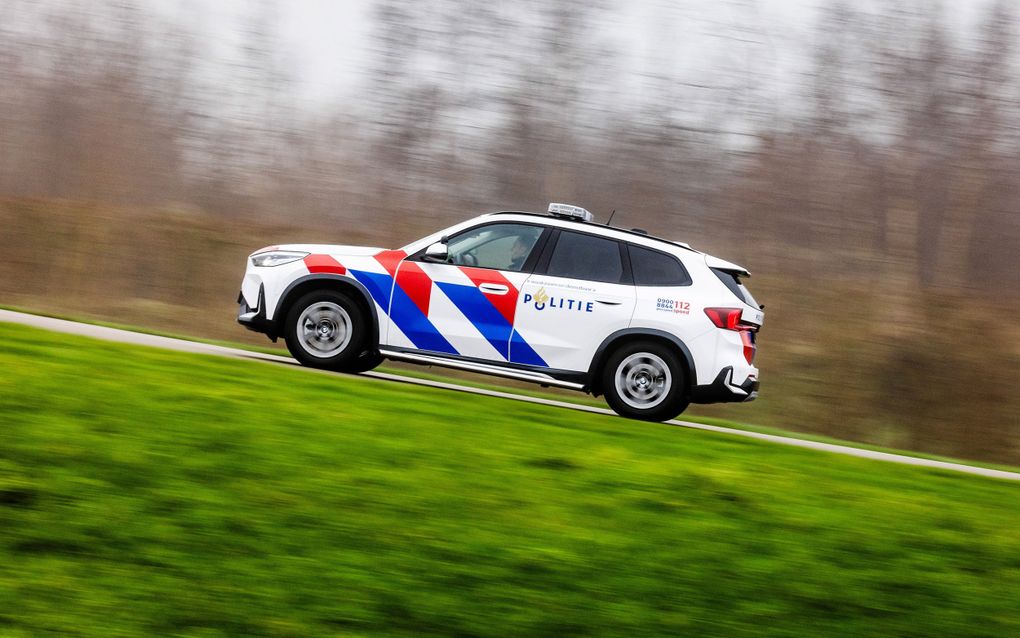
{"points": [[150, 492], [447, 375]]}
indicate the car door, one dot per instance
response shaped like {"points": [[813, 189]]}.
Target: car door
{"points": [[580, 294], [465, 307]]}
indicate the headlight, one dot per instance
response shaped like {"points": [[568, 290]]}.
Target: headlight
{"points": [[277, 257]]}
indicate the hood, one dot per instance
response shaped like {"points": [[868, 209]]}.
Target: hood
{"points": [[326, 249]]}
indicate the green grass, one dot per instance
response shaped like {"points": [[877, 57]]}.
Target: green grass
{"points": [[526, 389], [267, 349], [147, 492]]}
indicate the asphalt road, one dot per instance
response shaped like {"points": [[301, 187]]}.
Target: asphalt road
{"points": [[137, 338]]}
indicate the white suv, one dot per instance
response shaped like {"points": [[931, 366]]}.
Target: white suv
{"points": [[549, 298]]}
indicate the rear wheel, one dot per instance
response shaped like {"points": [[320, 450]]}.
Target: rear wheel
{"points": [[327, 329], [645, 380]]}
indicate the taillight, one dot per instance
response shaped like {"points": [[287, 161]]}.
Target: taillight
{"points": [[729, 319]]}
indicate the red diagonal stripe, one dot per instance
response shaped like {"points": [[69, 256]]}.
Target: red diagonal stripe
{"points": [[418, 286], [390, 259], [505, 304], [324, 263]]}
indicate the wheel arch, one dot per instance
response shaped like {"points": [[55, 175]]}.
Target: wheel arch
{"points": [[303, 285], [629, 335]]}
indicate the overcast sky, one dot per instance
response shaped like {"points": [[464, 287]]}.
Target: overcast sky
{"points": [[327, 40], [329, 37]]}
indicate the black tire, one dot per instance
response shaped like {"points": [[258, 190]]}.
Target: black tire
{"points": [[367, 361], [327, 329], [645, 380]]}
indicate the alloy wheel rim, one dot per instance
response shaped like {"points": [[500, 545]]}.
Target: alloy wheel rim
{"points": [[643, 380], [324, 329]]}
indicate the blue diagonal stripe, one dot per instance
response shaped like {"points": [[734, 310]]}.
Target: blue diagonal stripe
{"points": [[490, 322], [482, 314], [404, 312], [522, 352], [378, 286]]}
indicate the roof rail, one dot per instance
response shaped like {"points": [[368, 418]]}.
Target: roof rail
{"points": [[634, 231]]}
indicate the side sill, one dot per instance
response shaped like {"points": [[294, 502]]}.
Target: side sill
{"points": [[482, 368]]}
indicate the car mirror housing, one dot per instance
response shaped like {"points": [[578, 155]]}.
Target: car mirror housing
{"points": [[438, 252]]}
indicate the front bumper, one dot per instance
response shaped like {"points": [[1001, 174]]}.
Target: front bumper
{"points": [[723, 390], [255, 318]]}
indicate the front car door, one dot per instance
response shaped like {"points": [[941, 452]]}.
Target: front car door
{"points": [[581, 293], [465, 307]]}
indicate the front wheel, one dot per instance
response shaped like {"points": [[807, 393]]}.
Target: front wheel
{"points": [[645, 380], [326, 329]]}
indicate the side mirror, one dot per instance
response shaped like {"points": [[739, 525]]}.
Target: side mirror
{"points": [[437, 252]]}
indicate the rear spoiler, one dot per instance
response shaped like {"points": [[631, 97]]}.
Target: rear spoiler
{"points": [[722, 264]]}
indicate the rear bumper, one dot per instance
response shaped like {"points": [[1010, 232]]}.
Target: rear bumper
{"points": [[255, 318], [723, 390]]}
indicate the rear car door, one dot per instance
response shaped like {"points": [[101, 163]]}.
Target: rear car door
{"points": [[581, 293], [465, 307]]}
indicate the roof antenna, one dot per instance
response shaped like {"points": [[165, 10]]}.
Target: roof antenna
{"points": [[611, 217]]}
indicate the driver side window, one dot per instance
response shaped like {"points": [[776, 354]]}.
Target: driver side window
{"points": [[497, 246]]}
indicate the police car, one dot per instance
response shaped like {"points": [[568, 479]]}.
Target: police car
{"points": [[550, 298]]}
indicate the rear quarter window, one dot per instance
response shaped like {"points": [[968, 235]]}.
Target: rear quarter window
{"points": [[732, 282], [654, 268]]}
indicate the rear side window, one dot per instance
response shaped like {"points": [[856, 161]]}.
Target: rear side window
{"points": [[579, 256], [733, 283], [652, 268]]}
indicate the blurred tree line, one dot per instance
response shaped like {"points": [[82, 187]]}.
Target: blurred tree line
{"points": [[876, 190]]}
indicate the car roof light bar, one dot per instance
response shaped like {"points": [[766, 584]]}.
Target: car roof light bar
{"points": [[568, 211]]}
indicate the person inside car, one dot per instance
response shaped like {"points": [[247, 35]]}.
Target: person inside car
{"points": [[519, 253]]}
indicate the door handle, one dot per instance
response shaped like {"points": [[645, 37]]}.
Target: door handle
{"points": [[494, 289], [608, 302]]}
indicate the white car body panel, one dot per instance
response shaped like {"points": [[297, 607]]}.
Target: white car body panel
{"points": [[677, 310], [565, 320]]}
